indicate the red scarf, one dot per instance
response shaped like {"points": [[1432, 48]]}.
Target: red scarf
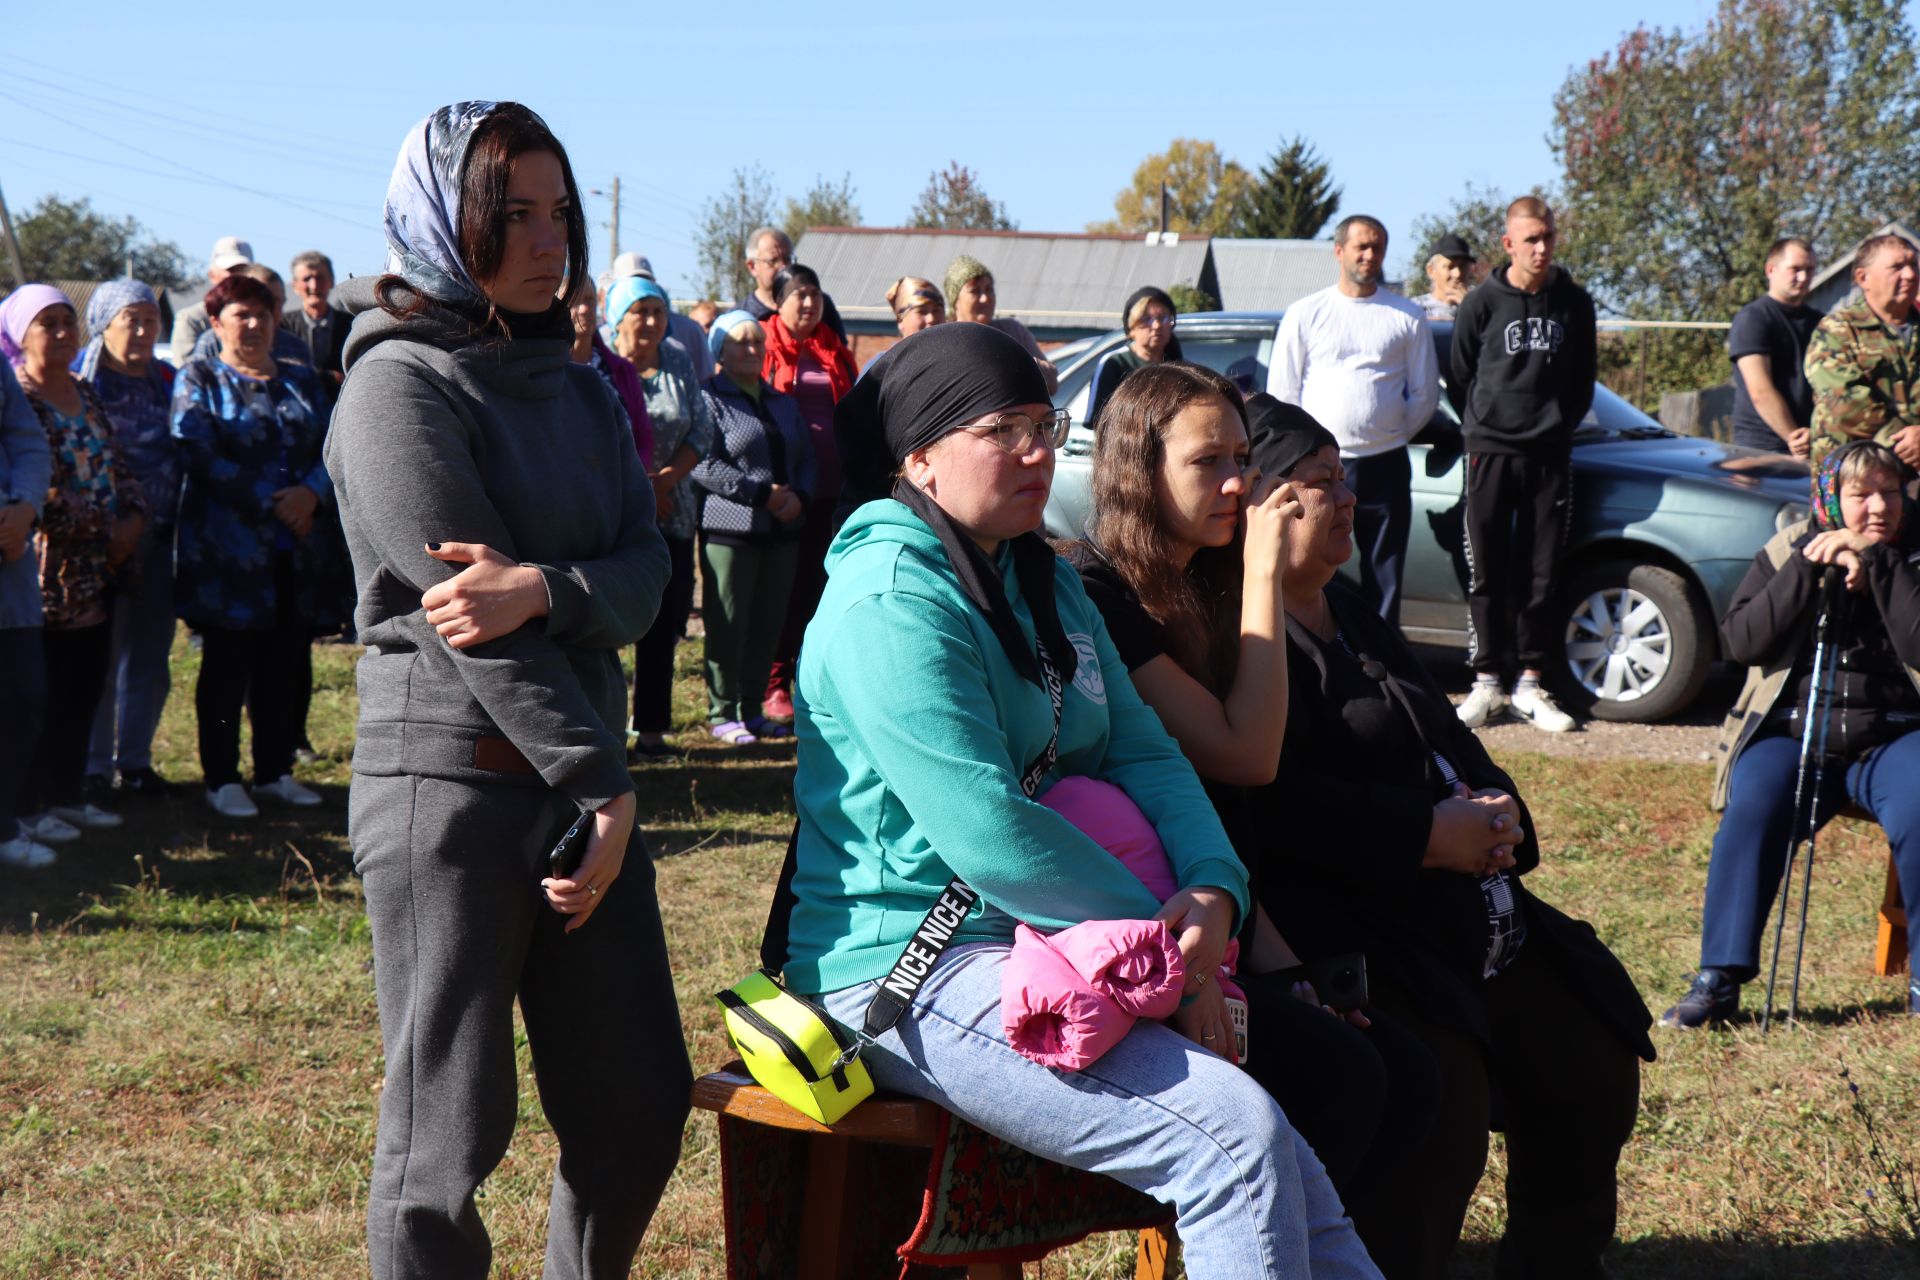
{"points": [[782, 366]]}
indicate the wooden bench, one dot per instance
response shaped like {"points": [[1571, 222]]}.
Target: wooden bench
{"points": [[829, 1214]]}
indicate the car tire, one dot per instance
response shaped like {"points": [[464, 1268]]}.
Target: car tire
{"points": [[1639, 642]]}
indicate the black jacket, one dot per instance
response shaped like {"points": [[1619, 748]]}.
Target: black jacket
{"points": [[1523, 365], [329, 360], [1335, 842], [1874, 638]]}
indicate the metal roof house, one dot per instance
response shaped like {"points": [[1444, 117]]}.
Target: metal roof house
{"points": [[1834, 286], [1060, 286], [1271, 275]]}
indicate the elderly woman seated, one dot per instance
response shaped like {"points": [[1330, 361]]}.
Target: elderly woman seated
{"points": [[1859, 542], [1394, 833], [955, 671]]}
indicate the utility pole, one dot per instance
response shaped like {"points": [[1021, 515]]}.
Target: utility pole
{"points": [[13, 245], [614, 227], [1166, 202]]}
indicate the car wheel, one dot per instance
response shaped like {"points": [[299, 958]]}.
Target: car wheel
{"points": [[1639, 641]]}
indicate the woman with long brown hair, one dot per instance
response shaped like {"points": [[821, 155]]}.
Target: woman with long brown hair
{"points": [[1387, 829], [1186, 558]]}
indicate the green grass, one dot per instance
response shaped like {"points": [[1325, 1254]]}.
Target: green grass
{"points": [[190, 1063]]}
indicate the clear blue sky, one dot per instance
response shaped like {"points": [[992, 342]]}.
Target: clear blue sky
{"points": [[150, 111]]}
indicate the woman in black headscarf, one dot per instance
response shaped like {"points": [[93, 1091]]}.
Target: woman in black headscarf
{"points": [[953, 672], [1147, 319]]}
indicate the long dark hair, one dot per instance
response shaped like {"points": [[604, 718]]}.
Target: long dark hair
{"points": [[1200, 606], [509, 132]]}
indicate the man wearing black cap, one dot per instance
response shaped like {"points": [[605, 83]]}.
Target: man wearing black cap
{"points": [[1449, 276]]}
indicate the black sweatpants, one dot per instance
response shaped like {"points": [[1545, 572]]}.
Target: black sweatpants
{"points": [[460, 931], [1517, 510], [270, 674], [76, 666], [653, 655], [1383, 485], [1562, 1087]]}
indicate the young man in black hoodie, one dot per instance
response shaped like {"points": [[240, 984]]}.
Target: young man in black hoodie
{"points": [[1523, 365]]}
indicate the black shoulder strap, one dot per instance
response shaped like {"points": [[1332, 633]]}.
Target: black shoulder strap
{"points": [[936, 929]]}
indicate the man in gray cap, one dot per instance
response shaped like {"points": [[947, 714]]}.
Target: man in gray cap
{"points": [[229, 254], [1449, 276]]}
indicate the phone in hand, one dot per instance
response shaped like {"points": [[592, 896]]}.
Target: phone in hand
{"points": [[1340, 981], [1237, 1015], [566, 855]]}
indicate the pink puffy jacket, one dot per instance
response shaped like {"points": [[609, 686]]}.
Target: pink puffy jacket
{"points": [[1067, 998]]}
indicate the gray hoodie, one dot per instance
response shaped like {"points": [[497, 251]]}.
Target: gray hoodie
{"points": [[437, 438]]}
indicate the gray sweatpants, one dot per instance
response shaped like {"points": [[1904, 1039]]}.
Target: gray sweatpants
{"points": [[452, 876]]}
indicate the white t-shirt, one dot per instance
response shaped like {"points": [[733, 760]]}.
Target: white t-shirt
{"points": [[1364, 367]]}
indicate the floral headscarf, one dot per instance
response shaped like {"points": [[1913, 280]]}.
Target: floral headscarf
{"points": [[1826, 490], [423, 205]]}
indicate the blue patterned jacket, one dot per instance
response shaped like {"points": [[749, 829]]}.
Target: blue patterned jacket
{"points": [[240, 439]]}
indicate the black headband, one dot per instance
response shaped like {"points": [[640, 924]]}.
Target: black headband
{"points": [[1283, 435]]}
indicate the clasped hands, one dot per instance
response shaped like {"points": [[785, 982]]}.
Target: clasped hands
{"points": [[1841, 547], [492, 597], [1474, 832]]}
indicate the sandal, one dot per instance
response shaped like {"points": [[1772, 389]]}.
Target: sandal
{"points": [[768, 730], [734, 734]]}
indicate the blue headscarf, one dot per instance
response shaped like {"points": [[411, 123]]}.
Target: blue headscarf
{"points": [[627, 290], [723, 327], [108, 301], [423, 205]]}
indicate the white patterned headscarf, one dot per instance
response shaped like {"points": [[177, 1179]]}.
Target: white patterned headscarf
{"points": [[423, 205]]}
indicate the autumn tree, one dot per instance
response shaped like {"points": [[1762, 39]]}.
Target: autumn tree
{"points": [[726, 220], [69, 240], [826, 204], [1204, 192], [1685, 154], [953, 200], [1293, 198]]}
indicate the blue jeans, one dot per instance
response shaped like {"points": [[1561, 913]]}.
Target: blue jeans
{"points": [[1158, 1113], [137, 672], [1382, 519], [1750, 849]]}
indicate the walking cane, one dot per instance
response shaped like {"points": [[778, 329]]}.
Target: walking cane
{"points": [[1819, 699]]}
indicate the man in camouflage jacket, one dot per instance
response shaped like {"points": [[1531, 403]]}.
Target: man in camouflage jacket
{"points": [[1863, 361]]}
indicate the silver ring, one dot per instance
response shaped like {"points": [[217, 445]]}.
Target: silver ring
{"points": [[1200, 979], [592, 892], [1208, 1035]]}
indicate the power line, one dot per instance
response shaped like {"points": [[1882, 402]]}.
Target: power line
{"points": [[186, 168], [65, 154]]}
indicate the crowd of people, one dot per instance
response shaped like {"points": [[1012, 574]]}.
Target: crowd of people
{"points": [[500, 474]]}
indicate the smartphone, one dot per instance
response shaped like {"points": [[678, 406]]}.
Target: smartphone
{"points": [[1237, 1015], [566, 855], [1340, 981]]}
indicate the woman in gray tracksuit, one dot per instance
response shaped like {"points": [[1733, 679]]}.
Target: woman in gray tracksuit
{"points": [[504, 548]]}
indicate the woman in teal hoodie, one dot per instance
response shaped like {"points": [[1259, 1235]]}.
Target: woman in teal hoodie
{"points": [[953, 671]]}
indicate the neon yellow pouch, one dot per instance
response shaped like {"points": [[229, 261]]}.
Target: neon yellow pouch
{"points": [[794, 1050]]}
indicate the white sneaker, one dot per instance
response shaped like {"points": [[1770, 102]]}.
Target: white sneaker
{"points": [[287, 791], [87, 817], [232, 801], [48, 829], [1485, 702], [26, 854], [1534, 704]]}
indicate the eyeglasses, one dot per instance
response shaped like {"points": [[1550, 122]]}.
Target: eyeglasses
{"points": [[1154, 322], [1015, 432]]}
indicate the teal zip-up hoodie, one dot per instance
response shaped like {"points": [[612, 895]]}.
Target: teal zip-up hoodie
{"points": [[913, 732]]}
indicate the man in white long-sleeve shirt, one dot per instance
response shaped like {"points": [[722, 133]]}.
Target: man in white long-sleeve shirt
{"points": [[1360, 359]]}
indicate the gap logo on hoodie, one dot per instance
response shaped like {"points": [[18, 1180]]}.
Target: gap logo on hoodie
{"points": [[1535, 333]]}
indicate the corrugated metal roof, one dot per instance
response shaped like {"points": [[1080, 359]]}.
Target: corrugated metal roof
{"points": [[1271, 275], [1055, 281]]}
